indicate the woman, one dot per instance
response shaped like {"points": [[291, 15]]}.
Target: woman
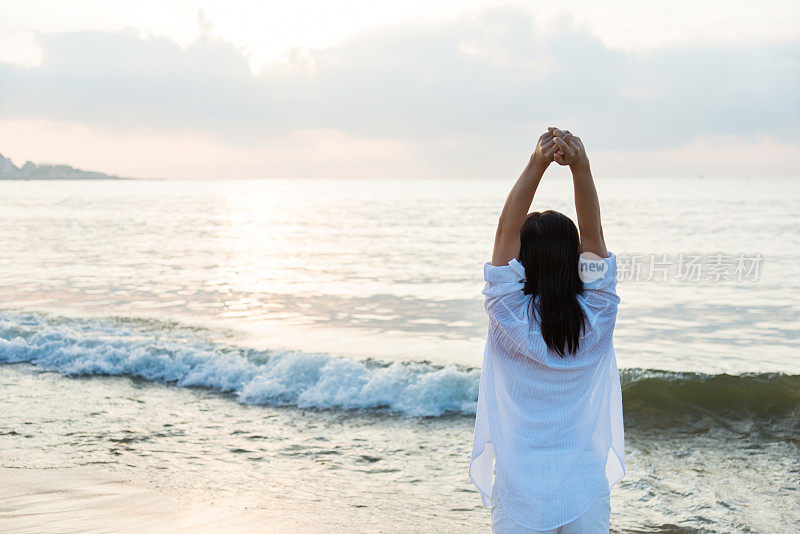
{"points": [[549, 441]]}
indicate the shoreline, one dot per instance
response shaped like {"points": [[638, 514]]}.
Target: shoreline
{"points": [[90, 498]]}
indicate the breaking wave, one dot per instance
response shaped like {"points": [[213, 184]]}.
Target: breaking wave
{"points": [[178, 355]]}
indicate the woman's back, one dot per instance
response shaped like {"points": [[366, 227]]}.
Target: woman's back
{"points": [[553, 424]]}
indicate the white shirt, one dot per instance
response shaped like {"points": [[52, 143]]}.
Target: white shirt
{"points": [[552, 426]]}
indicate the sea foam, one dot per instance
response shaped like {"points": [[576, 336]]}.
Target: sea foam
{"points": [[182, 356], [282, 378]]}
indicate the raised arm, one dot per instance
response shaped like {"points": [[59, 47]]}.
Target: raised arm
{"points": [[587, 205], [518, 202]]}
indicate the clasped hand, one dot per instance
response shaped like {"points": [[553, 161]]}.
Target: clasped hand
{"points": [[562, 147]]}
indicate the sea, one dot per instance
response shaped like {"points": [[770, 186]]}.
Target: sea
{"points": [[314, 346]]}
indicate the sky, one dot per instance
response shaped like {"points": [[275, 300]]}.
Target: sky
{"points": [[413, 89]]}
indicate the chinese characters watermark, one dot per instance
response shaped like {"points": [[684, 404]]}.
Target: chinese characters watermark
{"points": [[739, 268]]}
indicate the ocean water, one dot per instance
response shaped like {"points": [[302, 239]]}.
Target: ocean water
{"points": [[315, 345]]}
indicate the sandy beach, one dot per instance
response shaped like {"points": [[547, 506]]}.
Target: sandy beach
{"points": [[90, 499]]}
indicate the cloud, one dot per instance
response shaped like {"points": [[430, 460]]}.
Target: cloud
{"points": [[465, 93]]}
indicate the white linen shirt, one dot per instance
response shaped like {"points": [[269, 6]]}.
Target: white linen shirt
{"points": [[548, 430]]}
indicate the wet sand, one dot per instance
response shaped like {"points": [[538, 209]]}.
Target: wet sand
{"points": [[85, 499]]}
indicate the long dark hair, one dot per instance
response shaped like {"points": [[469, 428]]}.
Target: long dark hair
{"points": [[550, 249]]}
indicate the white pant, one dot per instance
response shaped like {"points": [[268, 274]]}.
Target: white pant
{"points": [[594, 521]]}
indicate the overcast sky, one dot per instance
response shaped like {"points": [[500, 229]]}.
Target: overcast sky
{"points": [[399, 89]]}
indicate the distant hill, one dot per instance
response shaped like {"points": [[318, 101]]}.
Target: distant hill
{"points": [[32, 171]]}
